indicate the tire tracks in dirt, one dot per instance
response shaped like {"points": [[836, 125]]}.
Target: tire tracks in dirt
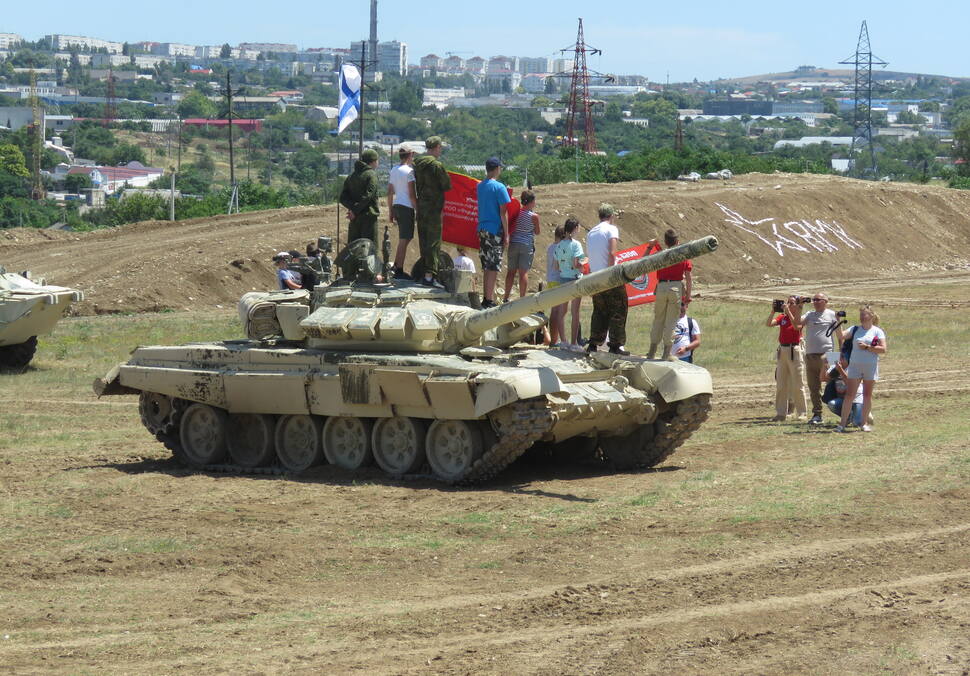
{"points": [[647, 598]]}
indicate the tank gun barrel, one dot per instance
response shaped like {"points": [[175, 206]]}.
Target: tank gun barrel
{"points": [[608, 278]]}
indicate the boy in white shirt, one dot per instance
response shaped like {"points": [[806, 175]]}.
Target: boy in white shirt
{"points": [[402, 201]]}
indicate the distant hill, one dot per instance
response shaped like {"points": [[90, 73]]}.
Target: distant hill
{"points": [[831, 74]]}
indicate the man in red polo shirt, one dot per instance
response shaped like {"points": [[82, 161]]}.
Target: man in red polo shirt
{"points": [[673, 288], [789, 372]]}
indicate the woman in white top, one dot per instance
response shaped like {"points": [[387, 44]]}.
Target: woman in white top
{"points": [[569, 260], [868, 344]]}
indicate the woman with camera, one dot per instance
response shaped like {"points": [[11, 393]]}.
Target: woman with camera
{"points": [[789, 372], [865, 344]]}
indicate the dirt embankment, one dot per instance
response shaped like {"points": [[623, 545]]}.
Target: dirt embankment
{"points": [[771, 227]]}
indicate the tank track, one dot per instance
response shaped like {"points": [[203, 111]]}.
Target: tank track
{"points": [[16, 357], [688, 415], [530, 420]]}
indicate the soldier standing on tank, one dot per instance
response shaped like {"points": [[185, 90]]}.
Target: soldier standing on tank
{"points": [[431, 182], [361, 196]]}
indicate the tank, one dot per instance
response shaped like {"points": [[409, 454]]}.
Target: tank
{"points": [[28, 309], [413, 379]]}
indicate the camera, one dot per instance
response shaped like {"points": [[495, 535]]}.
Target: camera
{"points": [[777, 305], [840, 314]]}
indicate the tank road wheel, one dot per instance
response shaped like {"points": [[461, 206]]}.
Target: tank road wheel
{"points": [[298, 442], [346, 441], [16, 357], [453, 446], [631, 450], [398, 444], [249, 437], [203, 435], [158, 413]]}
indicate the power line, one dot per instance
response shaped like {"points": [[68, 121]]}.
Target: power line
{"points": [[863, 60]]}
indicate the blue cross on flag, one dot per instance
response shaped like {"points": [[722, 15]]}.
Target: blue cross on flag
{"points": [[349, 101]]}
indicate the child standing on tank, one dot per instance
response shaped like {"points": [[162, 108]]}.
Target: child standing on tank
{"points": [[522, 238]]}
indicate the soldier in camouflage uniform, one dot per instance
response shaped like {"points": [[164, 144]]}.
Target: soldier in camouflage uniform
{"points": [[361, 196], [609, 314], [431, 182]]}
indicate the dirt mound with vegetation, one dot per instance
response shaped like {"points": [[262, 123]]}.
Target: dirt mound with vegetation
{"points": [[771, 228]]}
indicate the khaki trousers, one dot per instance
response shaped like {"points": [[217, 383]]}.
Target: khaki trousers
{"points": [[790, 380], [666, 312], [815, 367]]}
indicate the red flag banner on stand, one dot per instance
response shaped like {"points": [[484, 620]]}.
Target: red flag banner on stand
{"points": [[459, 218], [642, 289]]}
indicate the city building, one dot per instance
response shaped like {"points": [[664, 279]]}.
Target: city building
{"points": [[140, 60], [289, 95], [502, 64], [392, 57], [535, 83], [65, 42], [173, 49], [111, 179], [15, 117], [534, 64], [453, 64], [431, 62], [475, 65], [9, 40], [168, 98], [814, 140], [562, 66], [264, 47], [504, 80], [440, 98]]}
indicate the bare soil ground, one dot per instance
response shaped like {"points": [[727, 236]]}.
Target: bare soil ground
{"points": [[771, 228], [756, 548]]}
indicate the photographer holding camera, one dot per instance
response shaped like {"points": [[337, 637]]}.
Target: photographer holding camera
{"points": [[787, 316], [821, 325]]}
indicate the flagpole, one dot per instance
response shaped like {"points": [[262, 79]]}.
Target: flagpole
{"points": [[363, 69]]}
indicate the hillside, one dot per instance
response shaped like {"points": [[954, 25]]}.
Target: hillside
{"points": [[771, 227]]}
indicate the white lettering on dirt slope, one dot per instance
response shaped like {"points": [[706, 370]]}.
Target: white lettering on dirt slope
{"points": [[818, 235]]}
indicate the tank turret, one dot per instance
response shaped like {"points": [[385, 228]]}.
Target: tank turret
{"points": [[412, 317], [411, 377]]}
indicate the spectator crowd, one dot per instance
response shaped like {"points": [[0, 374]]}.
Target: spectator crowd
{"points": [[816, 362]]}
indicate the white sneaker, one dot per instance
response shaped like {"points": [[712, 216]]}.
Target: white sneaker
{"points": [[866, 428]]}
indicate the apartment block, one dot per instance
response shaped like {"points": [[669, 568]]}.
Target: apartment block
{"points": [[58, 42]]}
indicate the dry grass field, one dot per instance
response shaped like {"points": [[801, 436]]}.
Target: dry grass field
{"points": [[757, 547]]}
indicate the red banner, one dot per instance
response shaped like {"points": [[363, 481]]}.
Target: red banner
{"points": [[642, 289], [459, 218]]}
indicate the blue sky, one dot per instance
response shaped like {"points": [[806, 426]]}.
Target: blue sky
{"points": [[703, 39]]}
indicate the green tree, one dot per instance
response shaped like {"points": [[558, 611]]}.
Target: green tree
{"points": [[225, 52], [405, 99], [12, 161], [77, 182], [907, 117], [195, 104], [961, 147]]}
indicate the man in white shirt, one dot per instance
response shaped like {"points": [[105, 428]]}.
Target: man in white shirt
{"points": [[821, 325], [609, 307], [402, 201]]}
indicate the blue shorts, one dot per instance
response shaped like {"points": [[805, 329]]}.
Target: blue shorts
{"points": [[864, 371]]}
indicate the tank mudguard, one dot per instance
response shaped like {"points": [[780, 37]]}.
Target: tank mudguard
{"points": [[493, 392], [672, 380]]}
